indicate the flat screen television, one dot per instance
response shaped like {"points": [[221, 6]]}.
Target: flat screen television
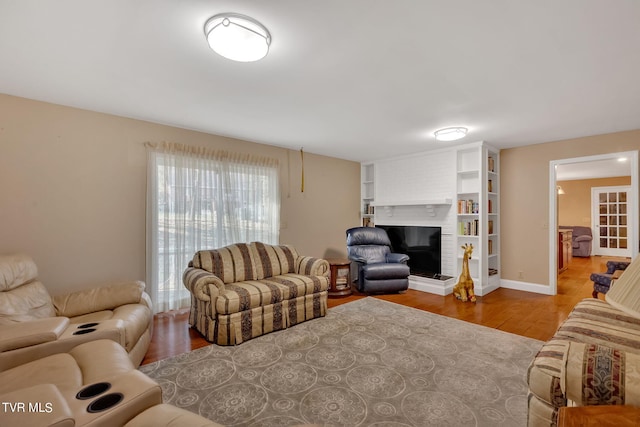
{"points": [[422, 244]]}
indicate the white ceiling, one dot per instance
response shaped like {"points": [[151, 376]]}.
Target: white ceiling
{"points": [[356, 79]]}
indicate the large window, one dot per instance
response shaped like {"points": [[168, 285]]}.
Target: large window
{"points": [[200, 199]]}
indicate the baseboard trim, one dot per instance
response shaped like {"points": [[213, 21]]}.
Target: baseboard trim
{"points": [[485, 290], [443, 288], [526, 286]]}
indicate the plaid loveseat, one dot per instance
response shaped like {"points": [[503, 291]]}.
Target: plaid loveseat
{"points": [[593, 359], [246, 290]]}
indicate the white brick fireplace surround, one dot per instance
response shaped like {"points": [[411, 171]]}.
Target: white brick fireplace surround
{"points": [[428, 189], [414, 190]]}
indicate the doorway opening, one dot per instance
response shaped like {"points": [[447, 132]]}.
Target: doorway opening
{"points": [[590, 164]]}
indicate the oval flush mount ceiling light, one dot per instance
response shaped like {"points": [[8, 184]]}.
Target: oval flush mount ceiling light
{"points": [[450, 134], [237, 37]]}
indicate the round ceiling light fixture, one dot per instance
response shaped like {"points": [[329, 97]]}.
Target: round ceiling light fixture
{"points": [[237, 37], [450, 134]]}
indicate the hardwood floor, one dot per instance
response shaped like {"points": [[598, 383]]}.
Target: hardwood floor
{"points": [[523, 313]]}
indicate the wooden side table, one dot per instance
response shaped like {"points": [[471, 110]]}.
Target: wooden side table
{"points": [[599, 416], [340, 283]]}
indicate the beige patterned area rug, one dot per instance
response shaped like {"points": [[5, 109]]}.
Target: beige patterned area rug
{"points": [[367, 363]]}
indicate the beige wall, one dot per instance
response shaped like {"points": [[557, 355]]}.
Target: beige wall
{"points": [[574, 207], [72, 185], [73, 182], [524, 202]]}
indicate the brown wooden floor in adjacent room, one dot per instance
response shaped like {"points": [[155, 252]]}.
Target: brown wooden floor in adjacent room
{"points": [[523, 313]]}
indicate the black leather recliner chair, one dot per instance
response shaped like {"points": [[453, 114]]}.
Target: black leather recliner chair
{"points": [[378, 270]]}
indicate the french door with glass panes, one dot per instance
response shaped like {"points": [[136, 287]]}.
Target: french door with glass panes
{"points": [[611, 236]]}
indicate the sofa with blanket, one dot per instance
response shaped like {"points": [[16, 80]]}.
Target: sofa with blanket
{"points": [[245, 290], [594, 356], [33, 324]]}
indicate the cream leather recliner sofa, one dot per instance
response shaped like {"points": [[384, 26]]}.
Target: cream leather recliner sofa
{"points": [[93, 384], [34, 325]]}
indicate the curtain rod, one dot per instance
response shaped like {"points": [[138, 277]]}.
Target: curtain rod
{"points": [[210, 153]]}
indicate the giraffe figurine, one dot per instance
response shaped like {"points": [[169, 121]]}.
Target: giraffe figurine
{"points": [[464, 288]]}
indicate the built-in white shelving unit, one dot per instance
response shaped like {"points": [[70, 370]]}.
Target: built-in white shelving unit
{"points": [[367, 194], [478, 207]]}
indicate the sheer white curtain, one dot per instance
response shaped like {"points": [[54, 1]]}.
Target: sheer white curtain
{"points": [[203, 199]]}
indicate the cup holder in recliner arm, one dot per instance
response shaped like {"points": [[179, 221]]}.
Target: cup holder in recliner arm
{"points": [[84, 331], [93, 390], [88, 325], [105, 402]]}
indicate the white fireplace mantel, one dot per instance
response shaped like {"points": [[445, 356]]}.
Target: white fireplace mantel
{"points": [[428, 204], [414, 203]]}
